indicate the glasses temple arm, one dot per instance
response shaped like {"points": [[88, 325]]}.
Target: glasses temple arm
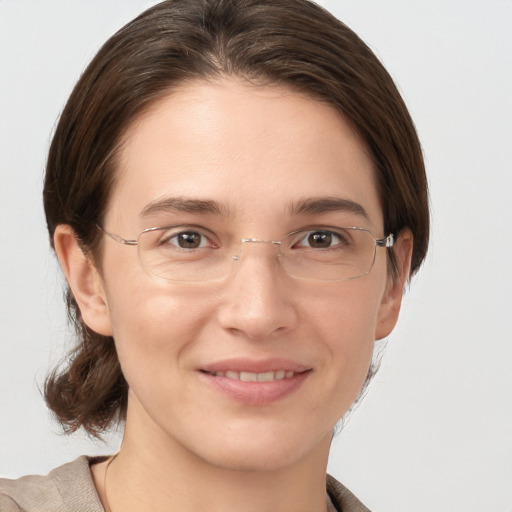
{"points": [[389, 241], [117, 238]]}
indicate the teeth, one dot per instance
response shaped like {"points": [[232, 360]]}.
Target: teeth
{"points": [[256, 377]]}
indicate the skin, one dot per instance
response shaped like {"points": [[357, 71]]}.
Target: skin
{"points": [[255, 150]]}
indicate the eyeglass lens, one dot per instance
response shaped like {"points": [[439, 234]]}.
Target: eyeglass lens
{"points": [[184, 254]]}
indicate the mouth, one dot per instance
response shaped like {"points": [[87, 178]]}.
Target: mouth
{"points": [[254, 377], [255, 383]]}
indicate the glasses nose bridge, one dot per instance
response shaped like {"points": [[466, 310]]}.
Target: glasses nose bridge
{"points": [[243, 241]]}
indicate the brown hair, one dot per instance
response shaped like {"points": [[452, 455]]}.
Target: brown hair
{"points": [[293, 42]]}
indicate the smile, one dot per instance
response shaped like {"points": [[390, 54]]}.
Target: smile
{"points": [[259, 387], [255, 377]]}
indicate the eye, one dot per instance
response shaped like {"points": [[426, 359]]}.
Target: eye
{"points": [[321, 239], [187, 240]]}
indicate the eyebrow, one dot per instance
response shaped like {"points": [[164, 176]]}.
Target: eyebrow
{"points": [[318, 205], [180, 204], [309, 206]]}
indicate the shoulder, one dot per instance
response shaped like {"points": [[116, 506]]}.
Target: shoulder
{"points": [[70, 485], [342, 498]]}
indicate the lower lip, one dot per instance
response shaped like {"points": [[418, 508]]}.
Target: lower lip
{"points": [[256, 393]]}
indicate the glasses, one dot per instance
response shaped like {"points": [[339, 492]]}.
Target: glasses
{"points": [[192, 254]]}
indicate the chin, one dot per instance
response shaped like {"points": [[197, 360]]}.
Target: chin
{"points": [[258, 460], [262, 452]]}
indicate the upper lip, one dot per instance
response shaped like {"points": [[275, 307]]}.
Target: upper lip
{"points": [[255, 365]]}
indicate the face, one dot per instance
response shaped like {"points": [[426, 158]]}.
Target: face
{"points": [[256, 152]]}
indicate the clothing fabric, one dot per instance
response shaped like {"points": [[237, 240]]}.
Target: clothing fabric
{"points": [[70, 488]]}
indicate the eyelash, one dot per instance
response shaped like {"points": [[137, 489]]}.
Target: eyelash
{"points": [[166, 239], [332, 234], [342, 240]]}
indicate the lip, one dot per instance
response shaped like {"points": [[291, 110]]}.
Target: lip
{"points": [[255, 365], [255, 393]]}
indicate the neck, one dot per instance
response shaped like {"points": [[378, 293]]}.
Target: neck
{"points": [[154, 473]]}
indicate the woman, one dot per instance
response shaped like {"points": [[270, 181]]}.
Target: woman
{"points": [[236, 195]]}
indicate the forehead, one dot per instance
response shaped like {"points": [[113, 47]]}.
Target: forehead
{"points": [[255, 150]]}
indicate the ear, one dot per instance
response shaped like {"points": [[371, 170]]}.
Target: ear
{"points": [[392, 299], [84, 280]]}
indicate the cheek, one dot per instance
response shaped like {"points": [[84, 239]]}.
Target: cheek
{"points": [[154, 325], [345, 320], [346, 312]]}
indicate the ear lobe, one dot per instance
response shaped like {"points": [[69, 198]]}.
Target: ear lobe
{"points": [[392, 299], [84, 280]]}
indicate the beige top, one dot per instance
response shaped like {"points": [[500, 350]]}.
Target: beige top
{"points": [[70, 488]]}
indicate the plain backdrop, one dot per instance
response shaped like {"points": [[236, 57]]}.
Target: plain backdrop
{"points": [[434, 433]]}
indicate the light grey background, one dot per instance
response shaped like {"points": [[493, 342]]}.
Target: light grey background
{"points": [[435, 431]]}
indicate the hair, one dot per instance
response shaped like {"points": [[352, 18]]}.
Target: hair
{"points": [[294, 43]]}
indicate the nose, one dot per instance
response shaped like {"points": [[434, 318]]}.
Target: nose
{"points": [[258, 302]]}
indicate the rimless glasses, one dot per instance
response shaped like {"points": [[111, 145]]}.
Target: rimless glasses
{"points": [[192, 254]]}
